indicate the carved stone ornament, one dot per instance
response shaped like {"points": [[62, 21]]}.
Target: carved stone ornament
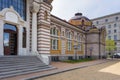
{"points": [[35, 7]]}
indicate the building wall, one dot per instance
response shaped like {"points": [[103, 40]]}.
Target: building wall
{"points": [[10, 16], [38, 25], [64, 27], [112, 24]]}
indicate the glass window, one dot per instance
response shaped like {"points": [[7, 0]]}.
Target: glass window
{"points": [[54, 40], [78, 39], [109, 31], [24, 38], [109, 26], [115, 37], [116, 18], [69, 45], [106, 20], [115, 31], [6, 39], [79, 47], [54, 43], [69, 35], [10, 27], [69, 41], [19, 6], [115, 25], [97, 22], [54, 32], [109, 37]]}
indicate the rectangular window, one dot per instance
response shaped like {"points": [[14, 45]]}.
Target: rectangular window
{"points": [[115, 37], [115, 25], [79, 47], [109, 37], [109, 26], [24, 38], [97, 22], [109, 31], [115, 31], [54, 44], [116, 18], [106, 20], [69, 45]]}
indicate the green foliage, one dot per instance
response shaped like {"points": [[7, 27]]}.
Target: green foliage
{"points": [[110, 45]]}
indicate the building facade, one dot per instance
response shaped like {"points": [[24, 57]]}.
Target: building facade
{"points": [[28, 28], [112, 24]]}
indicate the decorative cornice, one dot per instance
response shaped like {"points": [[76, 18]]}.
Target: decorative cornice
{"points": [[54, 19]]}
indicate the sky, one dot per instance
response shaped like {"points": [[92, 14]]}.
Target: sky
{"points": [[65, 9]]}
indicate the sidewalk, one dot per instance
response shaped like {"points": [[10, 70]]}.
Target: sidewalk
{"points": [[60, 67]]}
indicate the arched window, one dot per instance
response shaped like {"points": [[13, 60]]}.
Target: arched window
{"points": [[24, 38], [69, 35], [54, 39], [54, 32], [18, 5]]}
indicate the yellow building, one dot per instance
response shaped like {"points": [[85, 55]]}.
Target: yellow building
{"points": [[77, 32]]}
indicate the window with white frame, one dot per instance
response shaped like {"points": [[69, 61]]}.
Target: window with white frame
{"points": [[54, 39], [78, 39], [54, 44], [79, 45], [54, 32], [69, 41]]}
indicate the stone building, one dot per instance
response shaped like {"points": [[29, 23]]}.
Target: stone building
{"points": [[28, 28], [112, 24]]}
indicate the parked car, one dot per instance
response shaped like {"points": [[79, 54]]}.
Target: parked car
{"points": [[116, 55]]}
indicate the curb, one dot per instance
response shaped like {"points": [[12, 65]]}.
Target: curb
{"points": [[65, 70]]}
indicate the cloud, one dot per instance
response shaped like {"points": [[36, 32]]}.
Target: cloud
{"points": [[66, 9]]}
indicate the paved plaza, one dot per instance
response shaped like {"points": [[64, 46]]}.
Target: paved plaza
{"points": [[105, 71], [60, 68]]}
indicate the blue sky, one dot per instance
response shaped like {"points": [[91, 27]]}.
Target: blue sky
{"points": [[65, 9]]}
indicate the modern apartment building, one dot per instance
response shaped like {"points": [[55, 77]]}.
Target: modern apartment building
{"points": [[112, 24]]}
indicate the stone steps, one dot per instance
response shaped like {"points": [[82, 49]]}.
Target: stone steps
{"points": [[17, 65]]}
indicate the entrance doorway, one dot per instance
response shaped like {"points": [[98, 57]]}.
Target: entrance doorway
{"points": [[10, 39]]}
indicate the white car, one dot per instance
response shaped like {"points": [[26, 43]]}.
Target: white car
{"points": [[116, 55]]}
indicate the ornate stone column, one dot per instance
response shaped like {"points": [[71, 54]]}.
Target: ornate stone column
{"points": [[20, 40], [34, 26]]}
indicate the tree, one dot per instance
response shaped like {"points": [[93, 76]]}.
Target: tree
{"points": [[110, 46]]}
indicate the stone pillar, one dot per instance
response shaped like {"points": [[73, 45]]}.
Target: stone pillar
{"points": [[34, 26], [1, 37], [20, 40]]}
